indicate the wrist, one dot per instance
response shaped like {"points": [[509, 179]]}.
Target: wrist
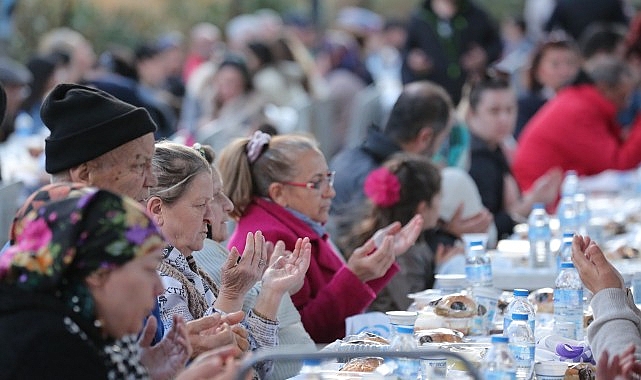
{"points": [[227, 302], [267, 304]]}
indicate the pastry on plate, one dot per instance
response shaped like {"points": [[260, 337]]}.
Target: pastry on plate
{"points": [[580, 371], [439, 335], [366, 338], [456, 305], [368, 364], [543, 300]]}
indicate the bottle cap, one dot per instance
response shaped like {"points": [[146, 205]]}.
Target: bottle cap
{"points": [[404, 318], [500, 339], [538, 205], [567, 264], [519, 317], [475, 243], [521, 292]]}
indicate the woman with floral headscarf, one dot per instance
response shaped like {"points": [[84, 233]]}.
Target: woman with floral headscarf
{"points": [[79, 277]]}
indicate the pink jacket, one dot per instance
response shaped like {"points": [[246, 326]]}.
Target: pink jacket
{"points": [[576, 130], [331, 291]]}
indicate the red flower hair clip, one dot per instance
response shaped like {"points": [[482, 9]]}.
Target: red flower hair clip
{"points": [[382, 187]]}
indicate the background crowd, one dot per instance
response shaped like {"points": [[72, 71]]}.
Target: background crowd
{"points": [[350, 159]]}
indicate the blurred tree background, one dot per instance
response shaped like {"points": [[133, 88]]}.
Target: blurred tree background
{"points": [[128, 22]]}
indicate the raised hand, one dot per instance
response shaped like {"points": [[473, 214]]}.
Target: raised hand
{"points": [[546, 188], [168, 357], [595, 270], [287, 272], [369, 262], [406, 237], [240, 273], [476, 223]]}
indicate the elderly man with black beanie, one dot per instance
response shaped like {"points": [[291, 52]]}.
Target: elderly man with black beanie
{"points": [[98, 140]]}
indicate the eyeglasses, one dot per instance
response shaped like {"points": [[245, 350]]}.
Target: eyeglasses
{"points": [[316, 184]]}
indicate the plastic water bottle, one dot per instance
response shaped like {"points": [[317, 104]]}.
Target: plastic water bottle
{"points": [[568, 303], [565, 250], [499, 363], [539, 235], [566, 211], [521, 344], [582, 213], [570, 184], [311, 370], [519, 305], [403, 340], [478, 266]]}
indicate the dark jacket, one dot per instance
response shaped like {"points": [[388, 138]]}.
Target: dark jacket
{"points": [[574, 16], [352, 166], [471, 26], [40, 338], [529, 104], [488, 166]]}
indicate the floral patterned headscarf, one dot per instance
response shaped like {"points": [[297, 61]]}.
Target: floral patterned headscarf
{"points": [[64, 232]]}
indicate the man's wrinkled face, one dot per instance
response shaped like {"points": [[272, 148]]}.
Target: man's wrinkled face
{"points": [[126, 170]]}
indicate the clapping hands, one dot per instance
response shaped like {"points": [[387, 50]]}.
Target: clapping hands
{"points": [[286, 271], [240, 273]]}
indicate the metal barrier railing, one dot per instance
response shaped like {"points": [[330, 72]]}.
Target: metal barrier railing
{"points": [[289, 353]]}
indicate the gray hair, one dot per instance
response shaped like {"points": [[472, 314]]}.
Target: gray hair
{"points": [[176, 166], [608, 71]]}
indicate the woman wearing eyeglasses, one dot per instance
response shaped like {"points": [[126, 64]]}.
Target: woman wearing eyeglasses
{"points": [[283, 187]]}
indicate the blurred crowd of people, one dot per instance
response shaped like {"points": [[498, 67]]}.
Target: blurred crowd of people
{"points": [[474, 120]]}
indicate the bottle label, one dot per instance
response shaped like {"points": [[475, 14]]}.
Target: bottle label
{"points": [[473, 273], [565, 298], [539, 233], [436, 367], [407, 368], [479, 274], [568, 313], [507, 320], [523, 356], [500, 375]]}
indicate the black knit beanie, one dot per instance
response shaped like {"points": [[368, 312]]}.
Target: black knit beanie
{"points": [[86, 123]]}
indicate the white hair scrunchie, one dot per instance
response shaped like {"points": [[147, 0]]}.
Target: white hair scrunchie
{"points": [[255, 145]]}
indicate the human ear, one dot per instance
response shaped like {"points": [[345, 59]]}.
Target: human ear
{"points": [[277, 193], [97, 278], [426, 136], [81, 174], [154, 208]]}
